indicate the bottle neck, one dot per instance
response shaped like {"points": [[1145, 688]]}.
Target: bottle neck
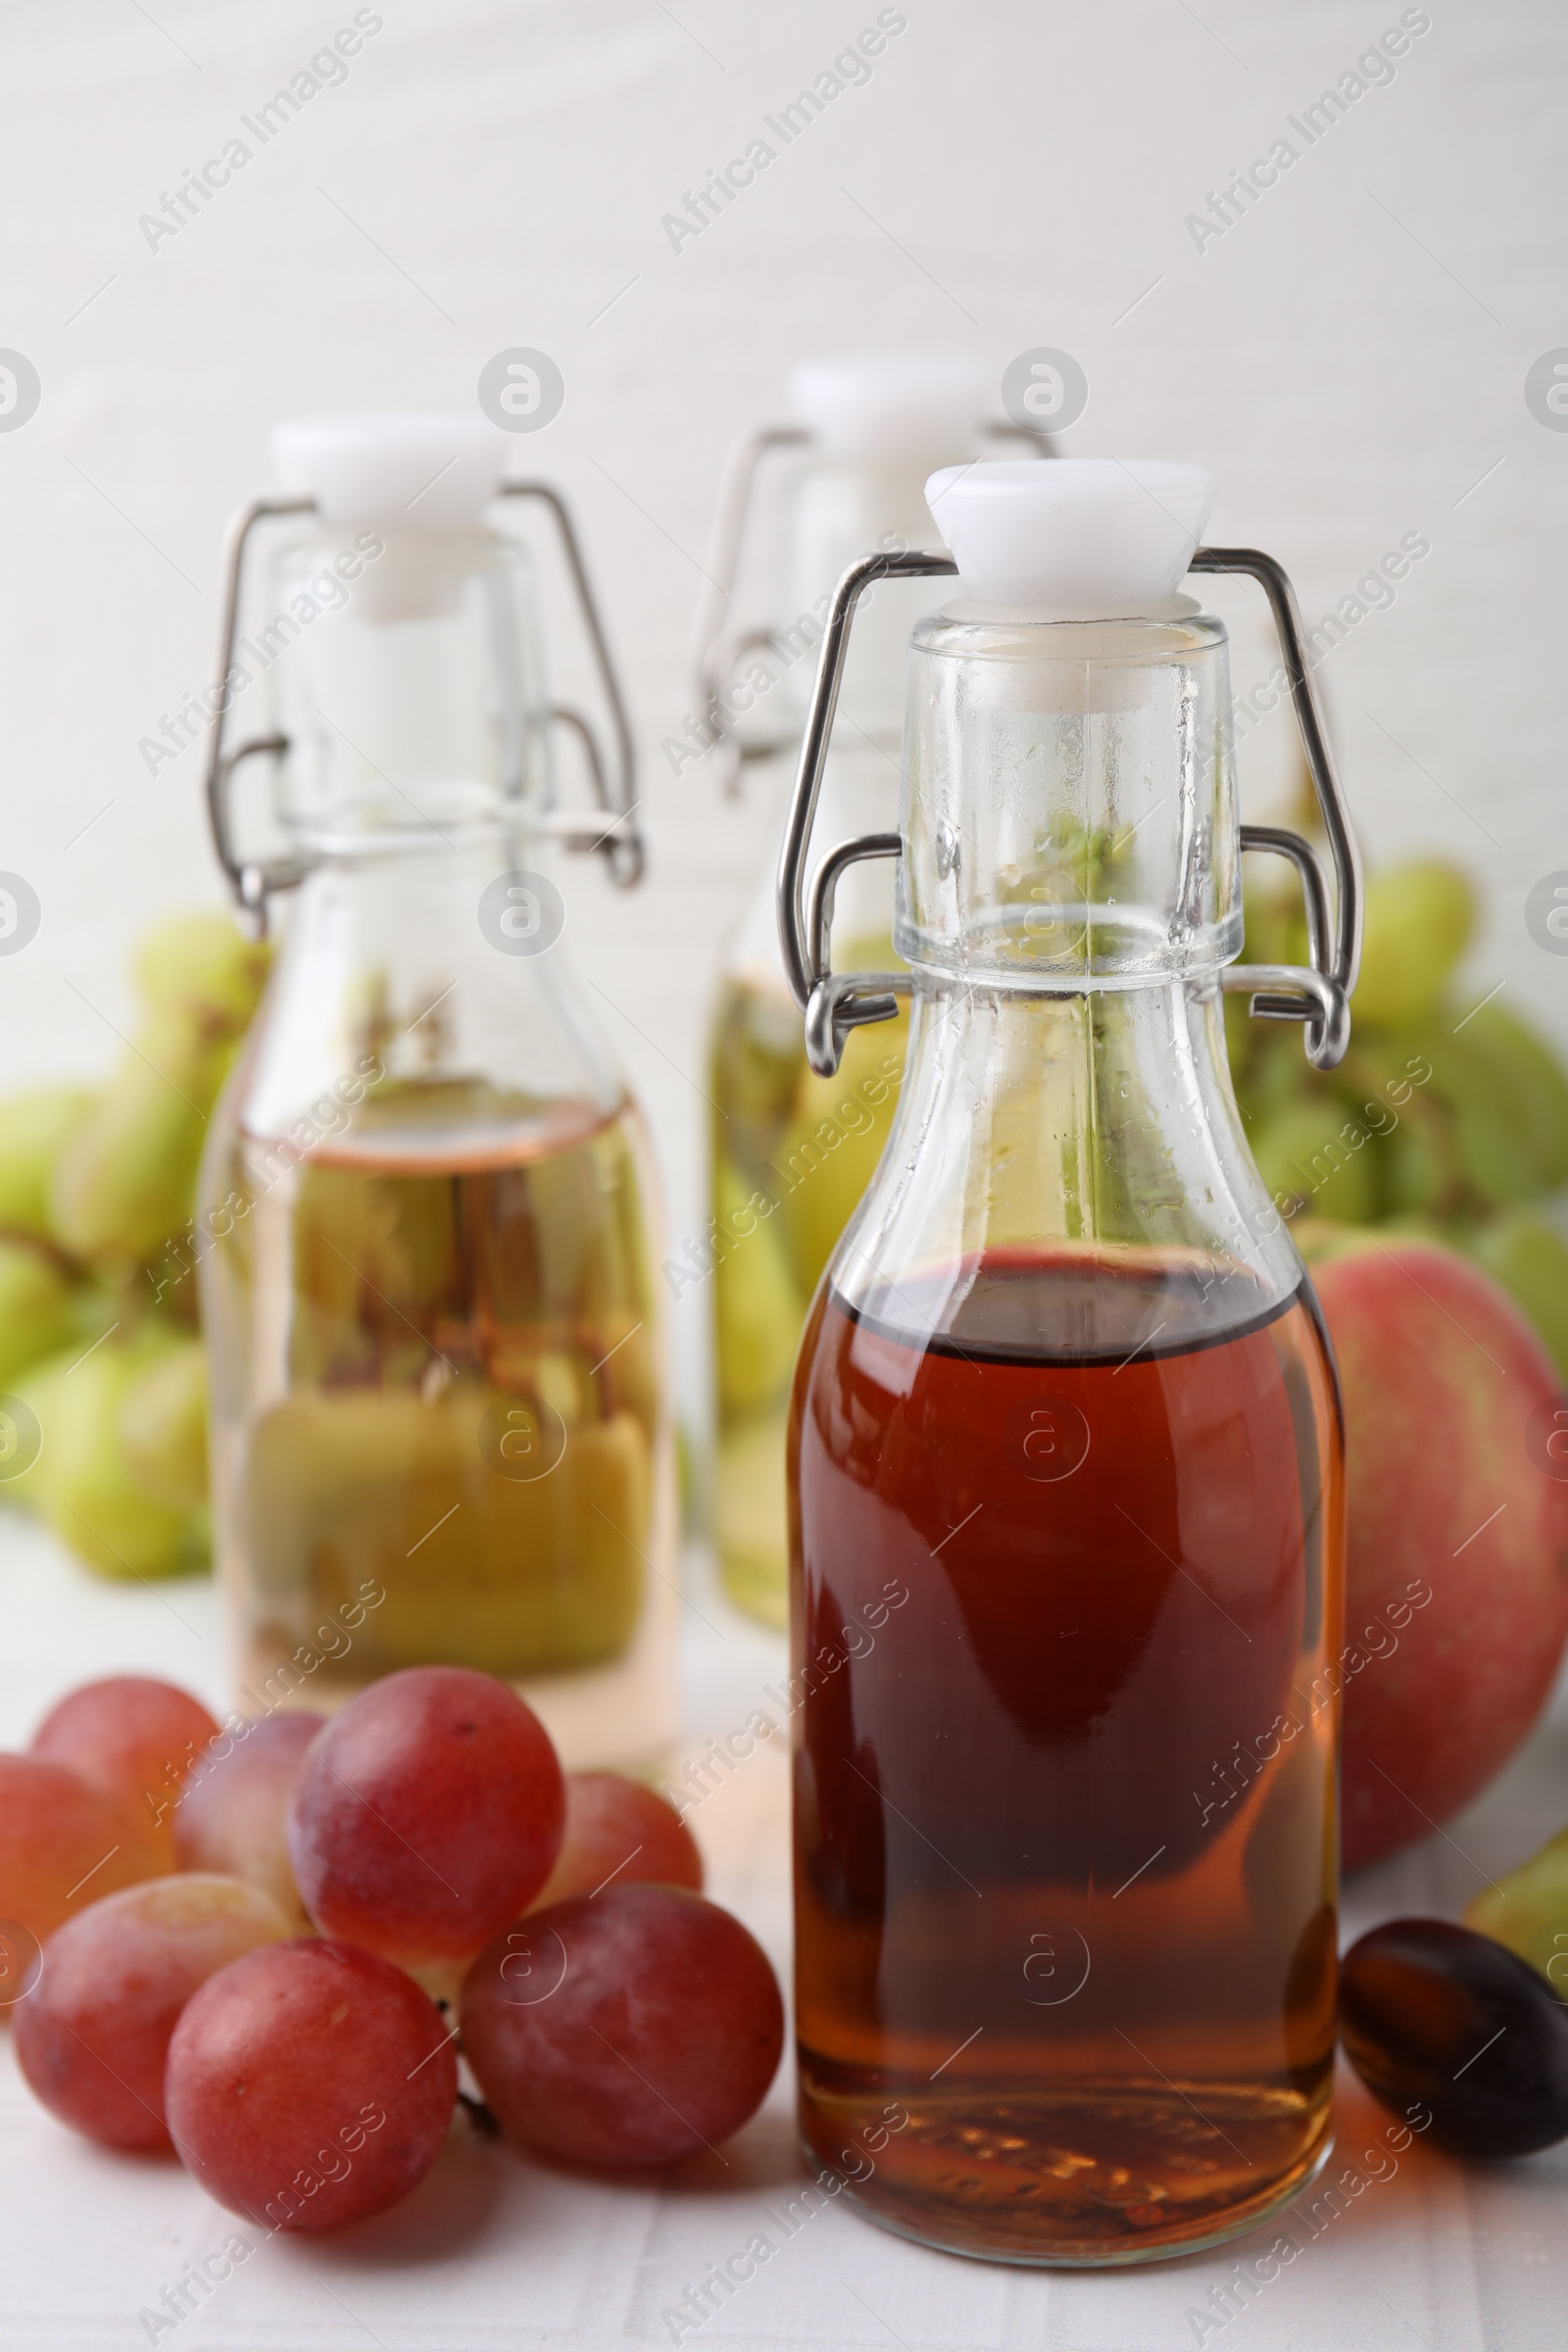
{"points": [[1069, 808], [414, 706], [1097, 1125]]}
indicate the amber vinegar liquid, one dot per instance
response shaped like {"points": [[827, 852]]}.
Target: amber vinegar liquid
{"points": [[1065, 1830]]}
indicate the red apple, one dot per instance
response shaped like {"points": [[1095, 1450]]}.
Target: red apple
{"points": [[1456, 1488]]}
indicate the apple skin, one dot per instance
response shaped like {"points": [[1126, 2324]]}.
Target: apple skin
{"points": [[1440, 1376]]}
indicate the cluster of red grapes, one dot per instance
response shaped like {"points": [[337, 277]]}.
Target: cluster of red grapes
{"points": [[274, 1972]]}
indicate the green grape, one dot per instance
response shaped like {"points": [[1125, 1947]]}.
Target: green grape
{"points": [[751, 1512], [826, 1158], [34, 1129], [1468, 1112], [86, 1487], [1411, 1170], [1530, 1258], [1303, 1155], [1278, 1073], [808, 1146], [1498, 1146], [1419, 920], [757, 1303], [25, 1490], [690, 1484], [1528, 1911], [89, 1312], [1421, 1228], [128, 1176], [758, 1049], [162, 1427], [90, 1308], [34, 1307], [201, 967], [1535, 1080], [1389, 1081], [1269, 917]]}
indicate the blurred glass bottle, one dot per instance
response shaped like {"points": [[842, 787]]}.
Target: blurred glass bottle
{"points": [[792, 1153], [440, 1418]]}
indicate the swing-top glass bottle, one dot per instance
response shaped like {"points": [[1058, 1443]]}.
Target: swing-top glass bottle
{"points": [[439, 1407], [1065, 1454]]}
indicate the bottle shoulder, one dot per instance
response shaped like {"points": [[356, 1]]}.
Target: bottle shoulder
{"points": [[386, 978], [1090, 1142]]}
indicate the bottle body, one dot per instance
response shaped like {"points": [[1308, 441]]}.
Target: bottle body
{"points": [[440, 1430], [1066, 1586], [1066, 1513]]}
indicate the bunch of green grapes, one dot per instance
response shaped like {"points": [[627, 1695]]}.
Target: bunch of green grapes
{"points": [[102, 1382], [1446, 1117]]}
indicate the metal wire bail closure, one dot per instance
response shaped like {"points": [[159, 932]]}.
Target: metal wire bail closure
{"points": [[1317, 994], [717, 650], [616, 836]]}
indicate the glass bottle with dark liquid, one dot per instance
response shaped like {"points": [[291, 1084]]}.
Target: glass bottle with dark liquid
{"points": [[1065, 1454], [440, 1421]]}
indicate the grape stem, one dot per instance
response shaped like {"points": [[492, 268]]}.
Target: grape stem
{"points": [[479, 2115]]}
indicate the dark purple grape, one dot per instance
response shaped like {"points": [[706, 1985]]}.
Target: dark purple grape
{"points": [[1435, 2015]]}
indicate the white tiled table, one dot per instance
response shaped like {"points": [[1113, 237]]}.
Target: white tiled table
{"points": [[495, 2251]]}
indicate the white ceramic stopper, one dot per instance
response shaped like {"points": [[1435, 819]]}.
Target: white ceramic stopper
{"points": [[1091, 538], [890, 405], [393, 470]]}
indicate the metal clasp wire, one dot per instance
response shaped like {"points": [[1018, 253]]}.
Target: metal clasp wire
{"points": [[717, 650], [617, 838], [1317, 994]]}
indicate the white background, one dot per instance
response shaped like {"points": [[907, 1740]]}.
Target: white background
{"points": [[1349, 359]]}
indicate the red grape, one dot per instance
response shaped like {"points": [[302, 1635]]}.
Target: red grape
{"points": [[308, 2085], [427, 1815], [617, 1829], [93, 2037], [234, 1813], [632, 2027], [136, 1739], [62, 1839]]}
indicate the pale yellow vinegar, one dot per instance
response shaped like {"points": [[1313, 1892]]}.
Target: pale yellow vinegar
{"points": [[418, 1310]]}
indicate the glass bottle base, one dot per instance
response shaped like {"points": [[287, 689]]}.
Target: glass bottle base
{"points": [[1116, 2174], [624, 1716]]}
